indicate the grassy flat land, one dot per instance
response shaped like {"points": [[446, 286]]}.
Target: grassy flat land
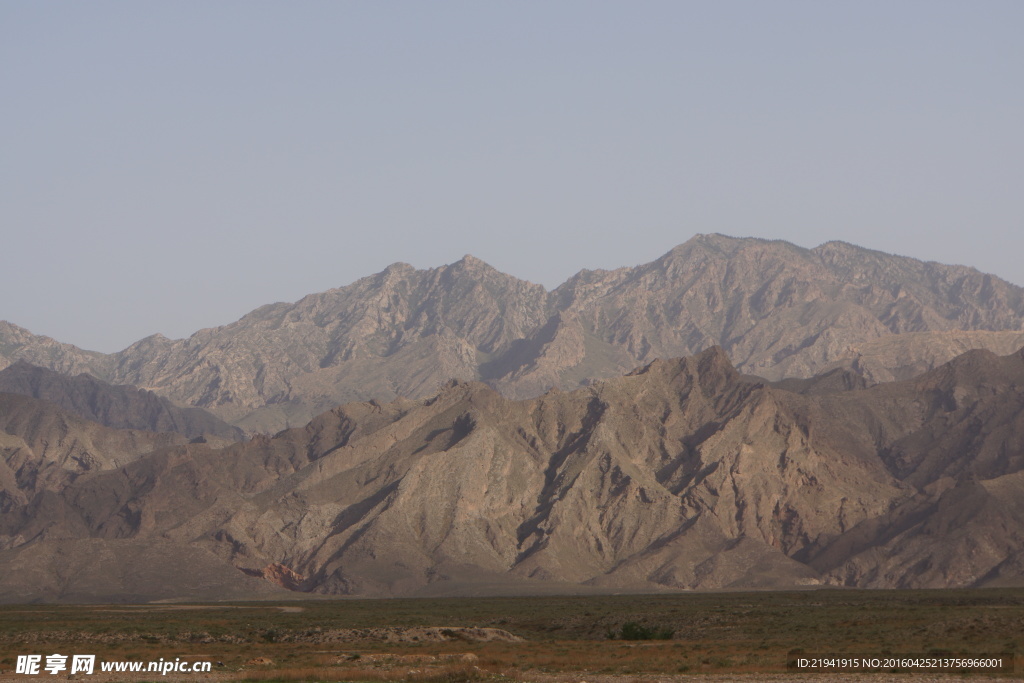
{"points": [[710, 632]]}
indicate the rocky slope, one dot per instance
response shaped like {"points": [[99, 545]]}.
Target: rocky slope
{"points": [[43, 449], [778, 310], [43, 452], [683, 474], [17, 343], [121, 407]]}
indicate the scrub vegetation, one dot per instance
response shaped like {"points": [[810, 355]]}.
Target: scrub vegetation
{"points": [[343, 639]]}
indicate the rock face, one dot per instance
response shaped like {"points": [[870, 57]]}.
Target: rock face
{"points": [[17, 343], [683, 474], [44, 451], [121, 407], [43, 448], [778, 310]]}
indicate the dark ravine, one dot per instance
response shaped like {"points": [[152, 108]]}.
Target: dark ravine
{"points": [[777, 310], [684, 474]]}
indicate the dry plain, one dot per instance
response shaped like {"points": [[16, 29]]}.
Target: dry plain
{"points": [[561, 639]]}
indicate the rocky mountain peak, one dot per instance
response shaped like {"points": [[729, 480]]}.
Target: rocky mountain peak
{"points": [[471, 262], [717, 240]]}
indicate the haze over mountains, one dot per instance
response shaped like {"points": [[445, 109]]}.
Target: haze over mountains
{"points": [[121, 407], [899, 464], [778, 310]]}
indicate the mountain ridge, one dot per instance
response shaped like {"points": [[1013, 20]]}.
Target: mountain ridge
{"points": [[120, 407], [682, 475], [778, 309]]}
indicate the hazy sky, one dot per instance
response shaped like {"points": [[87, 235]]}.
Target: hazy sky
{"points": [[168, 166]]}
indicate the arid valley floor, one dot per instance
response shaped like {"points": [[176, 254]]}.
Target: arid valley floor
{"points": [[713, 636]]}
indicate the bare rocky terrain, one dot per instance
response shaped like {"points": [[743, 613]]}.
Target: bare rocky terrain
{"points": [[739, 413], [684, 474], [121, 407], [777, 310], [45, 448]]}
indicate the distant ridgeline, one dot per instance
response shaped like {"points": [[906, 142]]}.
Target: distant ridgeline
{"points": [[777, 310]]}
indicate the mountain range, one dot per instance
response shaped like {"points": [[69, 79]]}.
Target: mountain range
{"points": [[737, 414], [684, 474], [777, 310]]}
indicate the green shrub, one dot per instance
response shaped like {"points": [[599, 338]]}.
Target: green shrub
{"points": [[631, 630]]}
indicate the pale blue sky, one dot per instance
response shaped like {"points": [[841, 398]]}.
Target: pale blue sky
{"points": [[170, 166]]}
